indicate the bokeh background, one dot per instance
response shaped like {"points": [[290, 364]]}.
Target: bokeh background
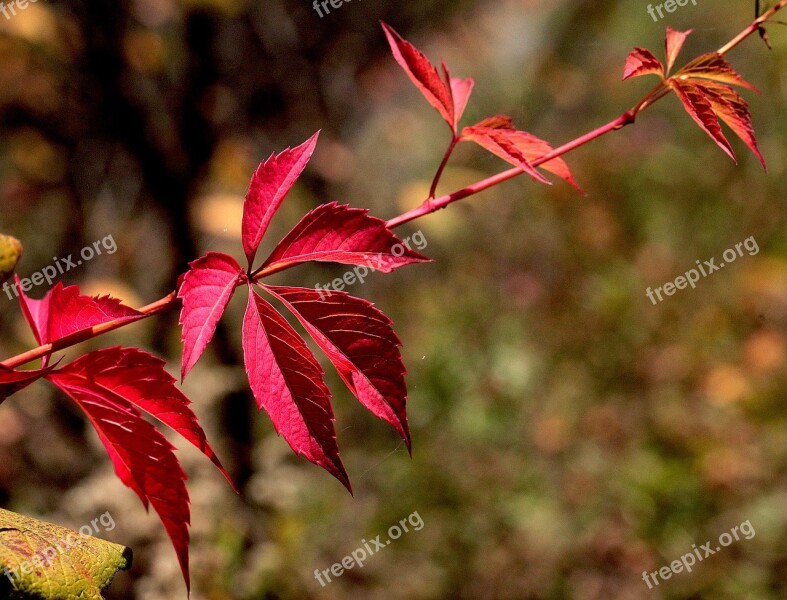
{"points": [[568, 434]]}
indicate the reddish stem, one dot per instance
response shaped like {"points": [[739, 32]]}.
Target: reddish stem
{"points": [[429, 206], [441, 168]]}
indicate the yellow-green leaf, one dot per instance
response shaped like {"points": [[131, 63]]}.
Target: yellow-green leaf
{"points": [[44, 561], [10, 253]]}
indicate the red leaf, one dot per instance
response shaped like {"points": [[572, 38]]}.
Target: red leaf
{"points": [[338, 233], [287, 381], [532, 148], [361, 344], [733, 110], [424, 75], [673, 43], [496, 122], [269, 186], [64, 312], [206, 291], [143, 458], [527, 146], [700, 109], [499, 143], [12, 381], [460, 92], [712, 66], [71, 313], [140, 379], [36, 312], [641, 61]]}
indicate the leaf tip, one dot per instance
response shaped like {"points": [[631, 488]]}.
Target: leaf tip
{"points": [[348, 486]]}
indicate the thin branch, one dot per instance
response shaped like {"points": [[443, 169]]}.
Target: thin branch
{"points": [[441, 168], [753, 27], [429, 206]]}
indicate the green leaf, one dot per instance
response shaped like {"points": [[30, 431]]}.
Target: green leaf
{"points": [[47, 562]]}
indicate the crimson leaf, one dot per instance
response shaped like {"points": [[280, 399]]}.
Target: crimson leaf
{"points": [[439, 93], [64, 312], [206, 291], [36, 312], [360, 342], [269, 186], [517, 147], [460, 93], [499, 143], [338, 233], [287, 381], [140, 378], [12, 381], [143, 458], [71, 313]]}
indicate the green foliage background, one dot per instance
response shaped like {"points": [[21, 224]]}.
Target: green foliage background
{"points": [[568, 434]]}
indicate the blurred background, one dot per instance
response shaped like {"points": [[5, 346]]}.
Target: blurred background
{"points": [[567, 433]]}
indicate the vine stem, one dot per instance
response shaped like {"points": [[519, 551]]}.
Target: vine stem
{"points": [[432, 205], [433, 190], [429, 206]]}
